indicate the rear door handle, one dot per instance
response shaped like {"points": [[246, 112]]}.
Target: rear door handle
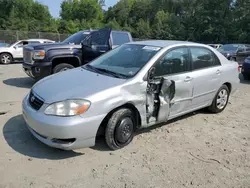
{"points": [[218, 72], [188, 79]]}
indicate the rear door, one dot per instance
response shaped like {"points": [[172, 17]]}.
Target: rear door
{"points": [[206, 73], [96, 44]]}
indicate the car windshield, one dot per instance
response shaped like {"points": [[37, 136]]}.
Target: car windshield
{"points": [[76, 38], [229, 47], [124, 61]]}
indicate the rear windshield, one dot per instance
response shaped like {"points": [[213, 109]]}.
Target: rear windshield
{"points": [[120, 38], [229, 47], [76, 38]]}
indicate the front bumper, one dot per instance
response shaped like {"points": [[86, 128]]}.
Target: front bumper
{"points": [[38, 70], [51, 130]]}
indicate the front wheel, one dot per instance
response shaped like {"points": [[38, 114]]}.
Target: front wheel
{"points": [[6, 58], [120, 129], [62, 67], [220, 101]]}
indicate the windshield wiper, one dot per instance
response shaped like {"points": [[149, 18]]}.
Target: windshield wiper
{"points": [[115, 74], [100, 70], [92, 68]]}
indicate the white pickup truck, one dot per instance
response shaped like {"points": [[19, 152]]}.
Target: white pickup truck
{"points": [[14, 51]]}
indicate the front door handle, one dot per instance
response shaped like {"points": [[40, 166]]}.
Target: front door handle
{"points": [[188, 79], [218, 72]]}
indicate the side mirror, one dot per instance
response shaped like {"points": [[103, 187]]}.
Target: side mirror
{"points": [[151, 74]]}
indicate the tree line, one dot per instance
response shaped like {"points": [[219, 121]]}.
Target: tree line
{"points": [[207, 21]]}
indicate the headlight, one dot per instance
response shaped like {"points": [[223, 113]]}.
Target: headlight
{"points": [[228, 54], [68, 108], [39, 54]]}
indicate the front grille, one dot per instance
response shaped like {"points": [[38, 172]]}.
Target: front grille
{"points": [[34, 101], [28, 55]]}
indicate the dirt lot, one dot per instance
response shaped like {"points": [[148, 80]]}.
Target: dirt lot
{"points": [[198, 150]]}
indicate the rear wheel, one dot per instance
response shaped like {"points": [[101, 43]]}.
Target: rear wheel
{"points": [[120, 129], [62, 67], [220, 101], [6, 58]]}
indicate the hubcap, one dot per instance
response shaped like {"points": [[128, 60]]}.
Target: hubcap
{"points": [[124, 130], [222, 99], [6, 59]]}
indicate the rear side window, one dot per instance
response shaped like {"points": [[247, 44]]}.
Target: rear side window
{"points": [[120, 38], [33, 42], [203, 58]]}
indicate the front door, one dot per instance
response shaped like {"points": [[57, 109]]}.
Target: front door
{"points": [[18, 50], [170, 92], [96, 44]]}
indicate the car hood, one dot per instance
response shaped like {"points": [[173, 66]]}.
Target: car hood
{"points": [[77, 83], [53, 46], [4, 49]]}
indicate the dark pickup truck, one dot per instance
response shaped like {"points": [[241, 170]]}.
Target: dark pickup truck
{"points": [[80, 48]]}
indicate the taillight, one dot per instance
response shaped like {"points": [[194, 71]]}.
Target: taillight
{"points": [[239, 68]]}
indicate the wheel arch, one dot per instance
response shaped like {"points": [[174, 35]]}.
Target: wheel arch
{"points": [[72, 60], [127, 105], [7, 53], [229, 86]]}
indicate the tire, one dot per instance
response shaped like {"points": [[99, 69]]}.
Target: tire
{"points": [[219, 107], [62, 67], [120, 129], [6, 58], [246, 76]]}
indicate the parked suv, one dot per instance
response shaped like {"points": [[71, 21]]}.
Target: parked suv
{"points": [[80, 48], [14, 52]]}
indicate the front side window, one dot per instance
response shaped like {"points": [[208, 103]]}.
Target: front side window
{"points": [[202, 58], [126, 60], [174, 62], [120, 38]]}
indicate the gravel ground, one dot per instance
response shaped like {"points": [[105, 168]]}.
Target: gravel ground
{"points": [[197, 150]]}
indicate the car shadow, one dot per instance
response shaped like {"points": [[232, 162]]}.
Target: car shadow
{"points": [[151, 128], [242, 81], [102, 146], [25, 82], [22, 141]]}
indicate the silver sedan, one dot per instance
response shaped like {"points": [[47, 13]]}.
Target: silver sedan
{"points": [[134, 86]]}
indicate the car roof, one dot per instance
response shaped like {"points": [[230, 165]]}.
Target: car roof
{"points": [[36, 40], [163, 43], [89, 31]]}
